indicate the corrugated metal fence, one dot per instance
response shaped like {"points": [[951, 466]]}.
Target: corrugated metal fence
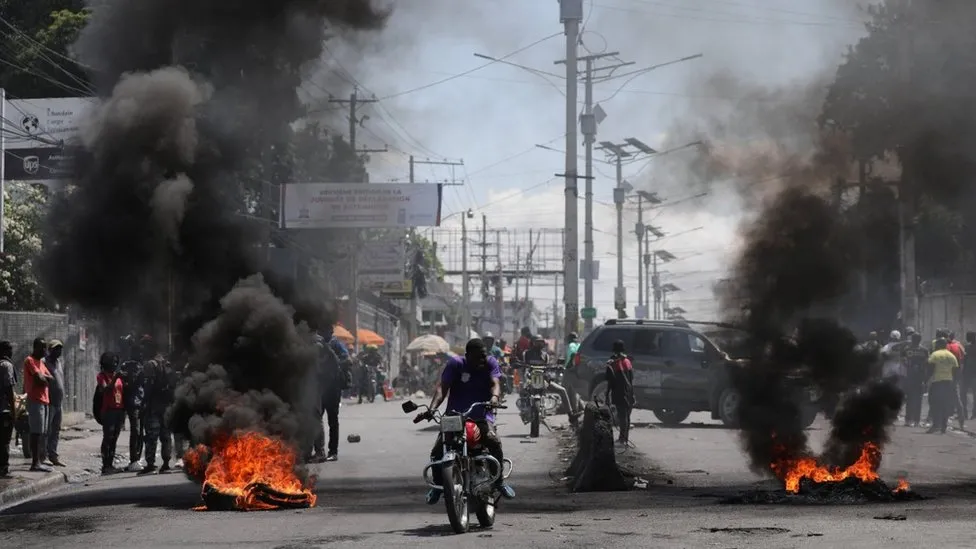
{"points": [[953, 310], [83, 344]]}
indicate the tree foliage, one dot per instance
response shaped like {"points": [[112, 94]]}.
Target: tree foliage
{"points": [[23, 211]]}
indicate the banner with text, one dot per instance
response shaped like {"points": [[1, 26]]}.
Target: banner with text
{"points": [[382, 262], [360, 205], [44, 122]]}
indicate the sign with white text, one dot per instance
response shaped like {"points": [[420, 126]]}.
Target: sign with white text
{"points": [[360, 205]]}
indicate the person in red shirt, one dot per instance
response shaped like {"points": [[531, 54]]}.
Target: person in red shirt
{"points": [[956, 348], [620, 388], [112, 411], [523, 344], [36, 381]]}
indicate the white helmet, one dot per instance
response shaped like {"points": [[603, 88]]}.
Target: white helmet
{"points": [[895, 335], [488, 335]]}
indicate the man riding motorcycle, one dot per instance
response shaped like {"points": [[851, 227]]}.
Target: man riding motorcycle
{"points": [[537, 353], [495, 351], [464, 381], [572, 347], [523, 344], [373, 361]]}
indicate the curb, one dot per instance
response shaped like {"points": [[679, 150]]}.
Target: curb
{"points": [[31, 489]]}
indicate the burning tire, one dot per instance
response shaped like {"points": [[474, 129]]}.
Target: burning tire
{"points": [[671, 416], [728, 406], [597, 393]]}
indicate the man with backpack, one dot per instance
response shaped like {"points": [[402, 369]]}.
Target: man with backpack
{"points": [[620, 388], [158, 389], [333, 378]]}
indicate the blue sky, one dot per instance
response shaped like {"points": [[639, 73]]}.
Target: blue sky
{"points": [[493, 117]]}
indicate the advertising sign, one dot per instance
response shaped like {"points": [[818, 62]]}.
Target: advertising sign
{"points": [[360, 205], [381, 263], [401, 289], [47, 122], [36, 164]]}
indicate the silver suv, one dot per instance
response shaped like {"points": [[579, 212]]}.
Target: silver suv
{"points": [[677, 370]]}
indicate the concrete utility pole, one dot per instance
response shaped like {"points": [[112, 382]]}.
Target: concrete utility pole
{"points": [[906, 213], [664, 256], [356, 246], [640, 229], [484, 272], [618, 150], [465, 291], [571, 16], [589, 122]]}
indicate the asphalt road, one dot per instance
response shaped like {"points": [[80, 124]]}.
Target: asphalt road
{"points": [[373, 497]]}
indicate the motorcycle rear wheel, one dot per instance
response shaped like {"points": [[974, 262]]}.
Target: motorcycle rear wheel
{"points": [[485, 511], [455, 500], [534, 425]]}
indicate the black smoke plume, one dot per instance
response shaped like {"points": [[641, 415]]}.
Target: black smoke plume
{"points": [[186, 148]]}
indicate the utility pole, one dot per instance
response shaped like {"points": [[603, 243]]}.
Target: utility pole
{"points": [[354, 121], [642, 230], [589, 122], [906, 213], [465, 291], [618, 150], [664, 256], [499, 287], [571, 16], [484, 272]]}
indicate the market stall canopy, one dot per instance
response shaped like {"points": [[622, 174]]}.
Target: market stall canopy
{"points": [[429, 343], [342, 333], [369, 337]]}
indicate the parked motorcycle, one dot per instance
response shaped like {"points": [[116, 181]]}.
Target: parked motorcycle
{"points": [[541, 395], [468, 472]]}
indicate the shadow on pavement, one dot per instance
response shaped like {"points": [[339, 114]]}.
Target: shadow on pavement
{"points": [[658, 425]]}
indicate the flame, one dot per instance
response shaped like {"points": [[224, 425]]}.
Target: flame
{"points": [[241, 462], [794, 470], [903, 486]]}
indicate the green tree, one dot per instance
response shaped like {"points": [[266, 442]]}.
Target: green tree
{"points": [[23, 211]]}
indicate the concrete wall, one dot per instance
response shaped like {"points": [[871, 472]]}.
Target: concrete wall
{"points": [[953, 310], [83, 344]]}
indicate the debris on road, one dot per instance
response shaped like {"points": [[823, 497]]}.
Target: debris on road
{"points": [[848, 492], [594, 469], [891, 517], [353, 439]]}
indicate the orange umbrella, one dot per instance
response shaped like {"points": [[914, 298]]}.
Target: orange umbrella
{"points": [[340, 332], [369, 337]]}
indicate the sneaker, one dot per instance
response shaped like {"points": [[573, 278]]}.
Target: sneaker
{"points": [[111, 471], [40, 469], [134, 467], [433, 496], [57, 463], [506, 491], [147, 470], [331, 457], [165, 468], [179, 464]]}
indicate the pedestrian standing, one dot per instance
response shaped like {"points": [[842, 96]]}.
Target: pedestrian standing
{"points": [[8, 407], [916, 362], [133, 396], [158, 397], [959, 352], [942, 398], [333, 379], [37, 379], [54, 365], [112, 408], [620, 388]]}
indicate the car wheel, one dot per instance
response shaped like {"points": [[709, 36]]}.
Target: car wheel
{"points": [[728, 406], [670, 416]]}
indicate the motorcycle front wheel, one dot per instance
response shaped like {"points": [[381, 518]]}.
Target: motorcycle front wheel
{"points": [[456, 501], [485, 511]]}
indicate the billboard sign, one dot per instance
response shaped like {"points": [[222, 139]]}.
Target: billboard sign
{"points": [[36, 164], [381, 262], [360, 205], [47, 122]]}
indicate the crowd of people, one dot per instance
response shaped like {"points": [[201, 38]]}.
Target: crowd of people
{"points": [[943, 370]]}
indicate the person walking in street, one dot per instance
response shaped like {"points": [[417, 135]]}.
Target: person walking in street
{"points": [[133, 396], [158, 397], [945, 368], [54, 365], [112, 408], [8, 381], [620, 388], [37, 379], [332, 381], [916, 365]]}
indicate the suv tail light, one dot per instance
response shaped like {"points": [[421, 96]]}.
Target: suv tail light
{"points": [[577, 358]]}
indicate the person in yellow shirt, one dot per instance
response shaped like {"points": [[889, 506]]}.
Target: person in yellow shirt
{"points": [[942, 398]]}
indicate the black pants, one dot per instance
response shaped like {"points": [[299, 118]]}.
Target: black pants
{"points": [[157, 431], [135, 435], [330, 407], [942, 401], [6, 433], [623, 419], [967, 385], [112, 421], [914, 388], [489, 439]]}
